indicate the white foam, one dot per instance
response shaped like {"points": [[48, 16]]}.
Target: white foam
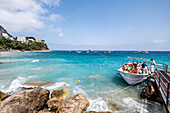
{"points": [[57, 85], [16, 84], [95, 76], [38, 68], [77, 89], [35, 60], [134, 105], [98, 105]]}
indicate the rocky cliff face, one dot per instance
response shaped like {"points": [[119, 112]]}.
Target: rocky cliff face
{"points": [[2, 30]]}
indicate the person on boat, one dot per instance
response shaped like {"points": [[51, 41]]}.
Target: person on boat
{"points": [[153, 63], [135, 71], [126, 67], [144, 67], [123, 68], [139, 69], [140, 64]]}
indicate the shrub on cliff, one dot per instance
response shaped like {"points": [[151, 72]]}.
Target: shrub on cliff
{"points": [[6, 44]]}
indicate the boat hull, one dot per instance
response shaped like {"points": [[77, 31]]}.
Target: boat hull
{"points": [[132, 79]]}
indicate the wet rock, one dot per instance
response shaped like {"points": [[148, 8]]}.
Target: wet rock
{"points": [[114, 107], [39, 83], [46, 110], [75, 104], [151, 93], [28, 101], [3, 96], [60, 94], [91, 112], [54, 103], [98, 112]]}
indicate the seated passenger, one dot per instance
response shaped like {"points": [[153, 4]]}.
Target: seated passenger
{"points": [[126, 67], [135, 71], [131, 69]]}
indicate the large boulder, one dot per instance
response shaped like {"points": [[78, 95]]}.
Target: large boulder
{"points": [[27, 101], [3, 96], [75, 104], [54, 103], [151, 93], [60, 94]]}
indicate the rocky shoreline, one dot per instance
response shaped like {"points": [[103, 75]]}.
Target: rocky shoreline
{"points": [[36, 100]]}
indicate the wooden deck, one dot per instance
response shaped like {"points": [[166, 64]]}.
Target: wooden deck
{"points": [[163, 83]]}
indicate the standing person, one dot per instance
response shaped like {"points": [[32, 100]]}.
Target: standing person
{"points": [[123, 68], [143, 67], [139, 69], [140, 64], [153, 63]]}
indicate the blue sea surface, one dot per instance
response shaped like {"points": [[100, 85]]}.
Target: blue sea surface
{"points": [[67, 67]]}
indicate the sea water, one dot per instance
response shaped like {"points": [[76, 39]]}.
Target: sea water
{"points": [[67, 67]]}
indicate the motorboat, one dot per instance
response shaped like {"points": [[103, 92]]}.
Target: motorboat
{"points": [[143, 52], [79, 51], [133, 77], [90, 49]]}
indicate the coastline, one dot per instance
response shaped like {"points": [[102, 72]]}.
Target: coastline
{"points": [[9, 52], [98, 88], [18, 51], [39, 51]]}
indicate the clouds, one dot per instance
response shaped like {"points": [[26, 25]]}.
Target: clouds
{"points": [[159, 41], [26, 15], [54, 17], [61, 34], [129, 27], [51, 2]]}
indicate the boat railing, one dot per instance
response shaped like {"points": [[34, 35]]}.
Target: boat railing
{"points": [[163, 82]]}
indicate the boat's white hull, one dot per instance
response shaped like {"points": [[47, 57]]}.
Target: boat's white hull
{"points": [[132, 78]]}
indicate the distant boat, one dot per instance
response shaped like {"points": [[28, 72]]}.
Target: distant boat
{"points": [[109, 51], [90, 49], [143, 52], [79, 51]]}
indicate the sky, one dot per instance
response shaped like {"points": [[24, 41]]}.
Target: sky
{"points": [[90, 24]]}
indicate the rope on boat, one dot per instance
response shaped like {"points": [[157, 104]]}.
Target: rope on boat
{"points": [[125, 88]]}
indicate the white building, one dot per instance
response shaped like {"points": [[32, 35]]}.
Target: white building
{"points": [[22, 39], [32, 40], [7, 36]]}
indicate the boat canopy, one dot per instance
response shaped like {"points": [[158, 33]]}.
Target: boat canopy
{"points": [[132, 59], [137, 59]]}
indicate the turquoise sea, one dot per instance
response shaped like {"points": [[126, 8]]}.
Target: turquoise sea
{"points": [[67, 67]]}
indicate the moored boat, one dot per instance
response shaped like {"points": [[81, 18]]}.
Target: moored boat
{"points": [[132, 77]]}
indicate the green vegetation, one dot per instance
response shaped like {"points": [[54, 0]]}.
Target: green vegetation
{"points": [[6, 44]]}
